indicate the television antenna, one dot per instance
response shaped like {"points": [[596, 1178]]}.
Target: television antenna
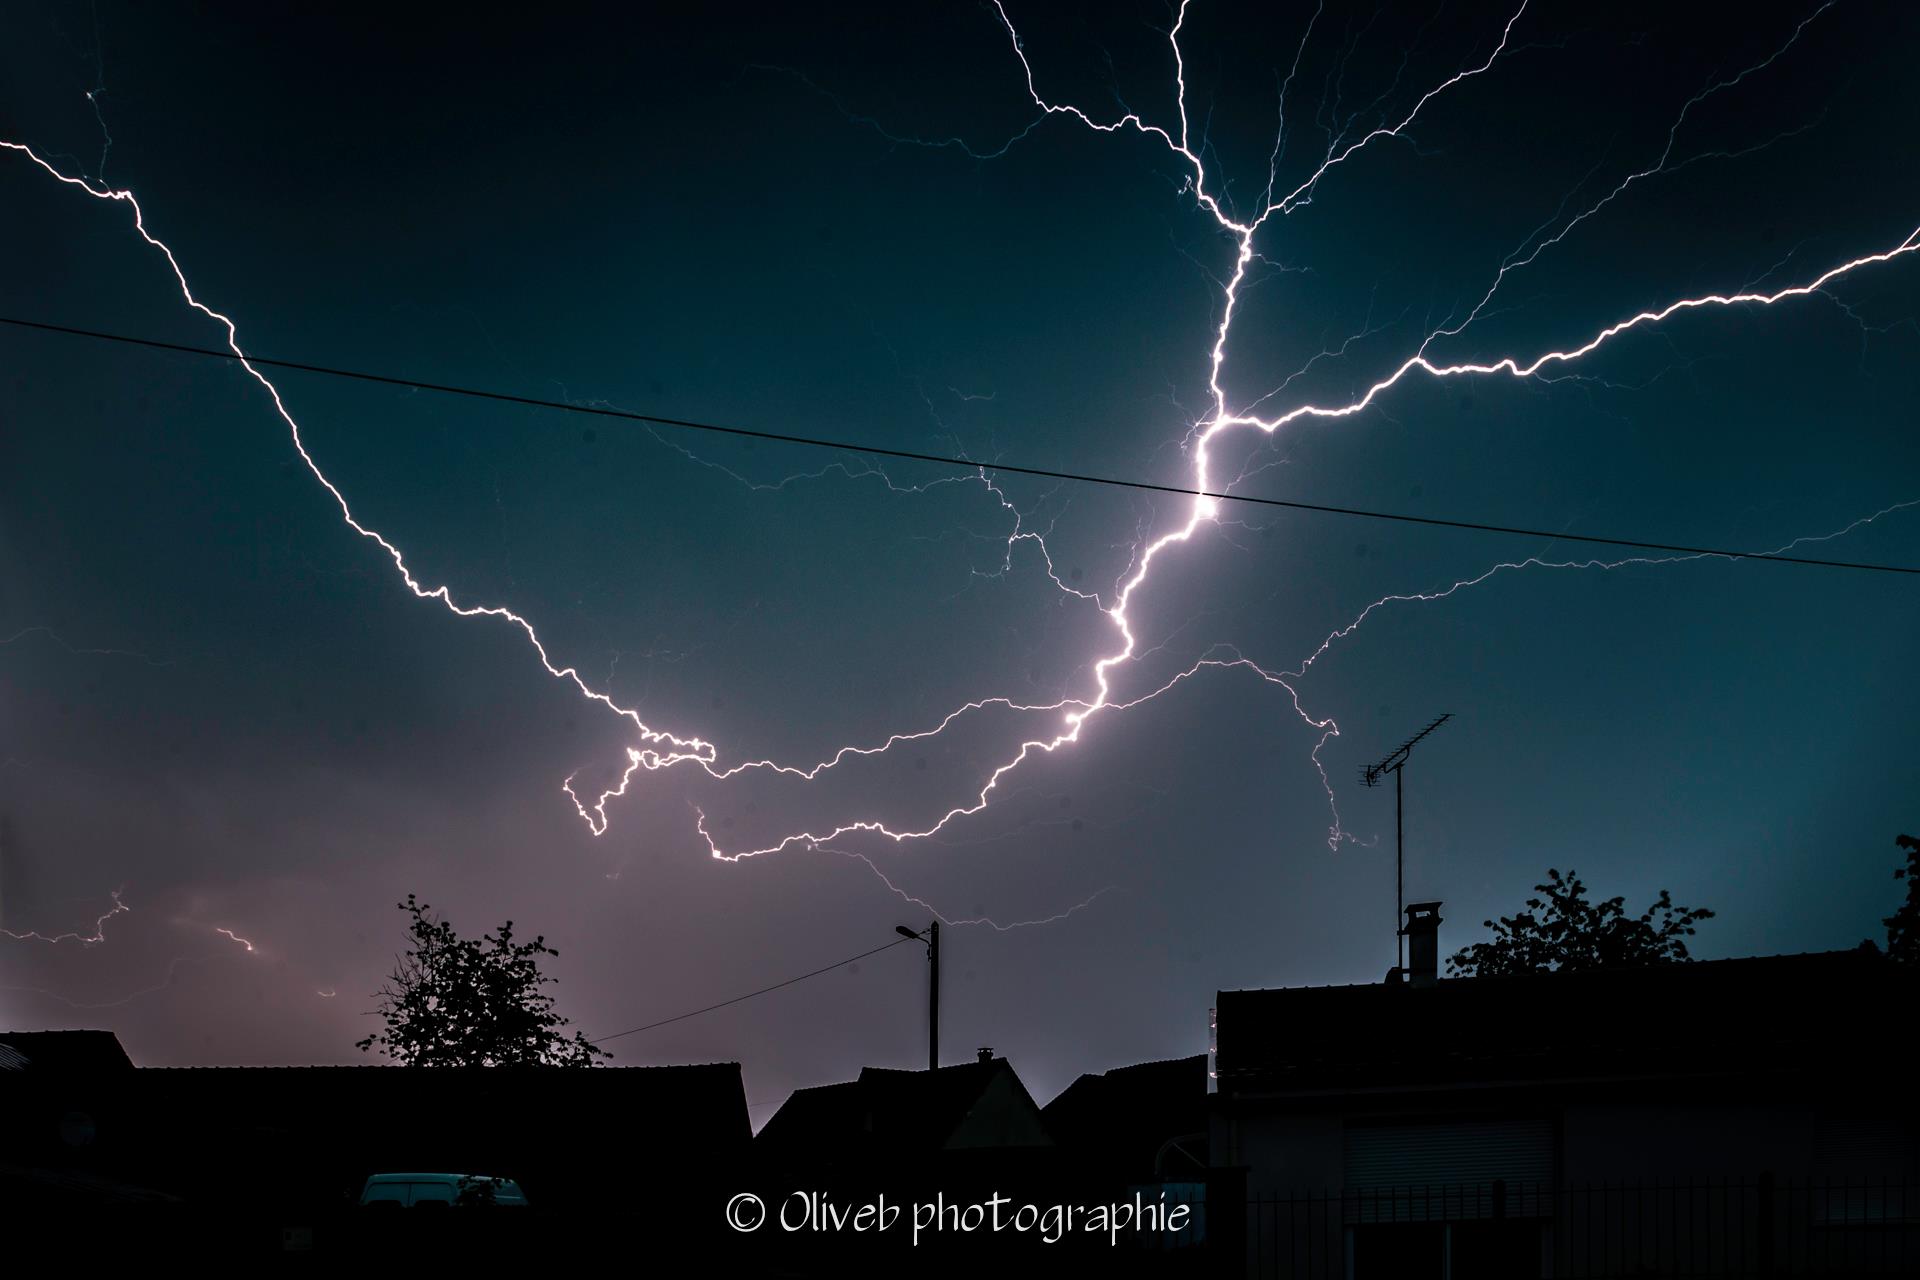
{"points": [[1394, 761]]}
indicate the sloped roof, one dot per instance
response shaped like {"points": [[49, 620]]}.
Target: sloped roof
{"points": [[1122, 1117], [599, 1136], [813, 1117], [66, 1053], [890, 1113], [1133, 1085], [1772, 1012]]}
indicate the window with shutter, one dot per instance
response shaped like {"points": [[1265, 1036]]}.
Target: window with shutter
{"points": [[1452, 1170]]}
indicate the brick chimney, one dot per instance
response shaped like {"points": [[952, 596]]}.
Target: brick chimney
{"points": [[1423, 943]]}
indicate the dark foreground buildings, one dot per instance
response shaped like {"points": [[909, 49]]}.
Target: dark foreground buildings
{"points": [[1722, 1118], [251, 1161], [1107, 1179]]}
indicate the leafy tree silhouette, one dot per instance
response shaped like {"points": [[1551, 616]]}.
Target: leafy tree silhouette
{"points": [[1903, 926], [467, 1002], [1564, 931]]}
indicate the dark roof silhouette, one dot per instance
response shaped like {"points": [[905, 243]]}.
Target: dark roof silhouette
{"points": [[1776, 1012], [65, 1053], [906, 1114], [702, 1104], [1132, 1086], [578, 1136], [1121, 1120]]}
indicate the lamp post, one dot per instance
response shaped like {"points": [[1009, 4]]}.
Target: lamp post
{"points": [[931, 936]]}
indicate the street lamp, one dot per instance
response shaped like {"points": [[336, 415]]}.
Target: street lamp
{"points": [[931, 936]]}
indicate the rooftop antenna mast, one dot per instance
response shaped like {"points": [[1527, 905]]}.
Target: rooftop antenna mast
{"points": [[1394, 761]]}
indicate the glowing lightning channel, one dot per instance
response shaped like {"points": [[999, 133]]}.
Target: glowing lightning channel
{"points": [[657, 749], [1524, 257], [78, 650], [1205, 510], [989, 921], [166, 980], [231, 935], [99, 933], [1336, 834]]}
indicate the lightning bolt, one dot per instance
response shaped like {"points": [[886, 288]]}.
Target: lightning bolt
{"points": [[99, 933], [1537, 562], [658, 748], [166, 980], [988, 921], [1524, 256], [231, 935], [1223, 419], [655, 749], [79, 650], [169, 975]]}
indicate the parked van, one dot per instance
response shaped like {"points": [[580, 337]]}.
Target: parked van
{"points": [[411, 1190]]}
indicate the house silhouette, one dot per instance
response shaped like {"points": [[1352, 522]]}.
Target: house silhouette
{"points": [[888, 1120], [246, 1152], [1714, 1115], [1143, 1123]]}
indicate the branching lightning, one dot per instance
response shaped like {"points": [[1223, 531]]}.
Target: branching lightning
{"points": [[988, 921], [99, 933], [654, 749]]}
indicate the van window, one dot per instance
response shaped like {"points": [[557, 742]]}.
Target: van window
{"points": [[423, 1191]]}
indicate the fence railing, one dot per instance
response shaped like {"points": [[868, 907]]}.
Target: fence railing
{"points": [[1718, 1227]]}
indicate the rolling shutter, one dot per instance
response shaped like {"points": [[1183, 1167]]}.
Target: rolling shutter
{"points": [[1416, 1172]]}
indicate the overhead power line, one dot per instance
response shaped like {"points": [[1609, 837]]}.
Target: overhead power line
{"points": [[694, 1013], [943, 460]]}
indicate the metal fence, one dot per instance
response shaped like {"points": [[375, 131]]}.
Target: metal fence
{"points": [[1716, 1227]]}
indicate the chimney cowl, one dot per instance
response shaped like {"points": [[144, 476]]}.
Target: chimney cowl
{"points": [[986, 1053], [1423, 943]]}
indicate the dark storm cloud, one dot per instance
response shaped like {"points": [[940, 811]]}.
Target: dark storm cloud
{"points": [[654, 212]]}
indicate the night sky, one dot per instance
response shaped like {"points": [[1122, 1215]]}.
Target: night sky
{"points": [[219, 701]]}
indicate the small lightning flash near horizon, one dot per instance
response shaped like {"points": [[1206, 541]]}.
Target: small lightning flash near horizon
{"points": [[654, 749], [61, 642], [232, 936], [99, 933]]}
